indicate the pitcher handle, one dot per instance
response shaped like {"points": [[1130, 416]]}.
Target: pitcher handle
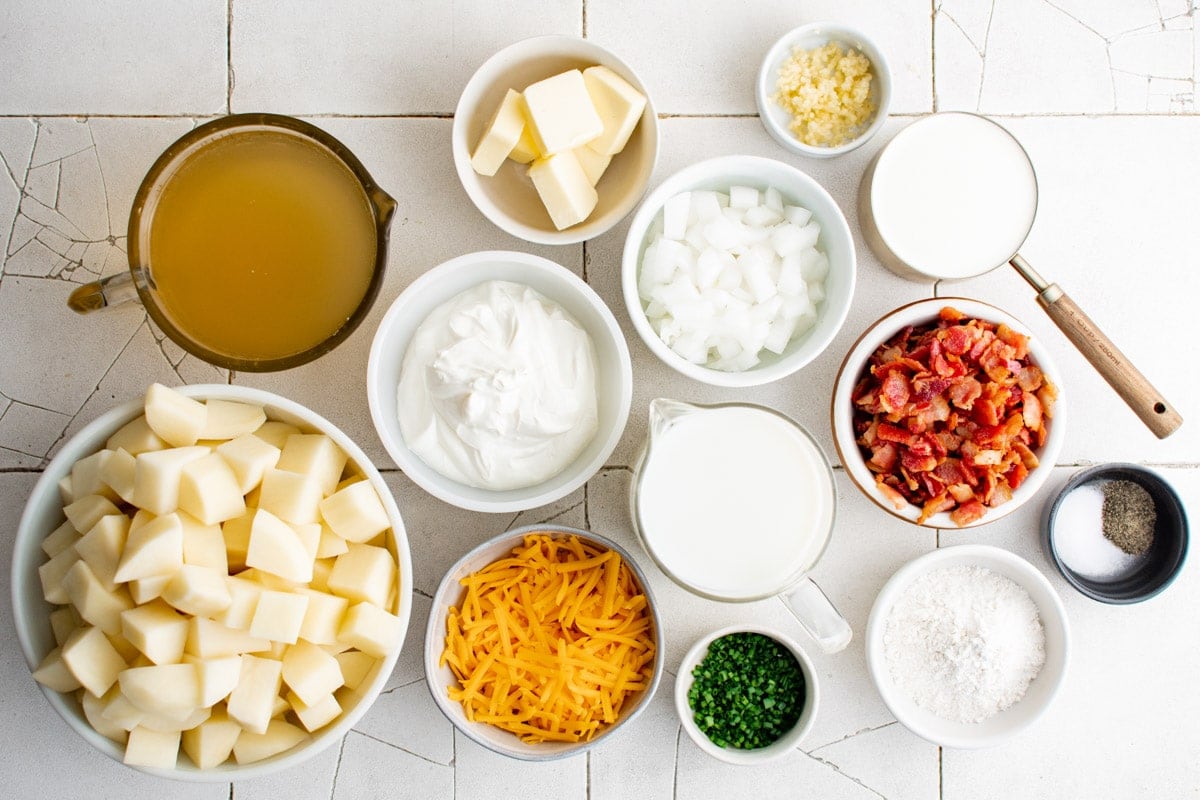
{"points": [[817, 615], [105, 292]]}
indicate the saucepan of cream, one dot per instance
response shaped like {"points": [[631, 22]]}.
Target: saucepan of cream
{"points": [[953, 196]]}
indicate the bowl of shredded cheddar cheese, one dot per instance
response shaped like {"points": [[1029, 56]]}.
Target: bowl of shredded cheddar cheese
{"points": [[542, 642], [823, 89]]}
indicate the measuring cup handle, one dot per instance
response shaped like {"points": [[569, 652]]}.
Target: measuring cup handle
{"points": [[818, 616], [108, 291]]}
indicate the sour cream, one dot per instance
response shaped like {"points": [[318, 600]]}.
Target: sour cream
{"points": [[498, 388]]}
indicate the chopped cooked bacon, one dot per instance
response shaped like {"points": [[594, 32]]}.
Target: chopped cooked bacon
{"points": [[949, 415]]}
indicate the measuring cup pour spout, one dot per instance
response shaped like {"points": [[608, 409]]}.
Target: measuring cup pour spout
{"points": [[664, 412]]}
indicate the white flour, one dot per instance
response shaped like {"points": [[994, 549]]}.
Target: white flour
{"points": [[964, 643]]}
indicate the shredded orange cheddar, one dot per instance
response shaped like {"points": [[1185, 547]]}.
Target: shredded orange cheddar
{"points": [[550, 642]]}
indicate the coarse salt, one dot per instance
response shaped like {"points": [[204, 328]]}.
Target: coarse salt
{"points": [[964, 643]]}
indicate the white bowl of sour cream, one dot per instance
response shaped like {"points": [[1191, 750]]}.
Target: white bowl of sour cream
{"points": [[499, 381]]}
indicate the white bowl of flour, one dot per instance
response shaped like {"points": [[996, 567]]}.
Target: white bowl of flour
{"points": [[967, 645]]}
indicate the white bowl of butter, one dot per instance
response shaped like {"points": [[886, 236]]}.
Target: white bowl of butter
{"points": [[509, 198], [510, 376]]}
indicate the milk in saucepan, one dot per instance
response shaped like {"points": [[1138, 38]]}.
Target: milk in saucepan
{"points": [[734, 502]]}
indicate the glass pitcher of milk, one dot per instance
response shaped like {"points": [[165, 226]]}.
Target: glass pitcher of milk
{"points": [[735, 502]]}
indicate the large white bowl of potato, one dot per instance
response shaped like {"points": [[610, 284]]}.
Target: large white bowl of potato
{"points": [[212, 583]]}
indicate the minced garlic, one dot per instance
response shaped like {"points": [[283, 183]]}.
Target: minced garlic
{"points": [[828, 93]]}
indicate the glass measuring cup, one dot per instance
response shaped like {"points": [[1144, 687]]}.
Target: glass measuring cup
{"points": [[736, 502], [318, 191]]}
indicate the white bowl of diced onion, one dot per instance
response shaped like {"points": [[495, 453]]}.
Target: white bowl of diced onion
{"points": [[738, 271], [44, 511]]}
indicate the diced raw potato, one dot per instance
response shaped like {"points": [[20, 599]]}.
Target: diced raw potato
{"points": [[118, 473], [218, 677], [175, 722], [266, 580], [243, 599], [175, 417], [147, 748], [236, 533], [276, 433], [165, 689], [279, 616], [250, 703], [211, 743], [355, 513], [226, 419], [96, 604], [59, 539], [120, 712], [310, 672], [93, 709], [277, 737], [316, 455], [356, 666], [143, 590], [199, 591], [101, 547], [54, 674], [249, 457], [52, 574], [152, 550], [291, 496], [363, 573], [128, 652], [330, 545], [336, 647], [140, 518], [87, 511], [156, 631], [309, 534], [317, 715], [203, 545], [277, 548], [323, 617], [322, 568], [371, 629], [209, 639], [66, 492], [86, 476], [209, 491], [93, 660], [135, 438], [63, 621], [157, 474]]}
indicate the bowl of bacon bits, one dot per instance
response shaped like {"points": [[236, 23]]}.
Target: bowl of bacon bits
{"points": [[944, 412]]}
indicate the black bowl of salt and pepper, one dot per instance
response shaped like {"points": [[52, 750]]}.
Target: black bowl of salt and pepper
{"points": [[1117, 532]]}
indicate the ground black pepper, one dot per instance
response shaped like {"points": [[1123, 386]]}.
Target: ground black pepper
{"points": [[1128, 516]]}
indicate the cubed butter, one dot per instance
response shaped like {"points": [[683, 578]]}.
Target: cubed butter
{"points": [[561, 113], [619, 106], [594, 164], [565, 190], [500, 136], [526, 149]]}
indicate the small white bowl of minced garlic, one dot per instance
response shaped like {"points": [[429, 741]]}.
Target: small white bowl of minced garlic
{"points": [[823, 90]]}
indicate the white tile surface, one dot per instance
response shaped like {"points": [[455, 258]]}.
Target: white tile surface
{"points": [[1103, 96]]}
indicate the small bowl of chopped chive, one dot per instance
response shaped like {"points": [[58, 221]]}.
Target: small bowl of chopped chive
{"points": [[1117, 532], [746, 694], [823, 90]]}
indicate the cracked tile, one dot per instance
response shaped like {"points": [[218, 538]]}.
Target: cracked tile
{"points": [[82, 198], [57, 138], [55, 241], [34, 260], [407, 718], [16, 146], [23, 231], [31, 430], [41, 183], [480, 773], [1110, 19], [972, 17], [310, 780], [640, 759], [891, 761], [957, 88], [372, 770], [1158, 54]]}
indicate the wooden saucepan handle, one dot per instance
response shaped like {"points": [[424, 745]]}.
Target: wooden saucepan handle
{"points": [[1150, 406]]}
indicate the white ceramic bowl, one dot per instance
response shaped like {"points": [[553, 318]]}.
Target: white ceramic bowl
{"points": [[779, 748], [43, 512], [1041, 691], [614, 379], [777, 121], [797, 188], [883, 329], [508, 198], [440, 678]]}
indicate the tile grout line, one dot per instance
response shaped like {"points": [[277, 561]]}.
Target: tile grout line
{"points": [[433, 115]]}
